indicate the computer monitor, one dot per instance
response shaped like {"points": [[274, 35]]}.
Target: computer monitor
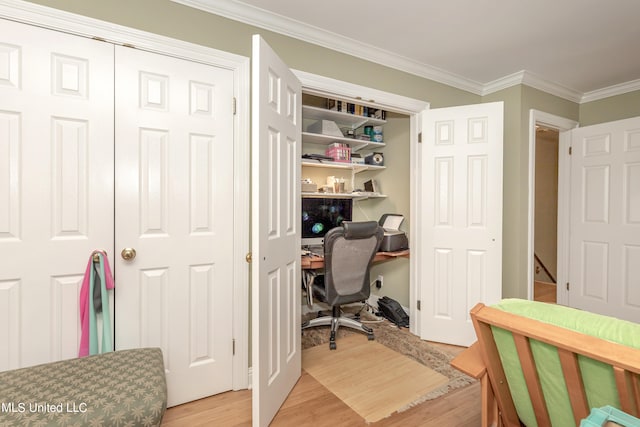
{"points": [[319, 215]]}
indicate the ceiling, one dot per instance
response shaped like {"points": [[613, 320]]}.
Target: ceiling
{"points": [[578, 49]]}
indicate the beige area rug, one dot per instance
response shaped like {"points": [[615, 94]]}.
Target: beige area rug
{"points": [[370, 378], [401, 341]]}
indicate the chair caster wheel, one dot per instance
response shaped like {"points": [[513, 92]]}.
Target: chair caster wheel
{"points": [[370, 337], [332, 346]]}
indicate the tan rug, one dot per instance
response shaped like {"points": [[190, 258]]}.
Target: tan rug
{"points": [[401, 341], [369, 377]]}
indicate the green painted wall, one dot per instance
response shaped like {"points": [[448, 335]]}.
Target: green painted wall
{"points": [[518, 103], [184, 23], [394, 181], [188, 24], [609, 109], [511, 221]]}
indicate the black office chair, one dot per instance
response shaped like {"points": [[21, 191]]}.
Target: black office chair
{"points": [[348, 252]]}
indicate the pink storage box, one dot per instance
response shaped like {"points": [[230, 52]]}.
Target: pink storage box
{"points": [[339, 153]]}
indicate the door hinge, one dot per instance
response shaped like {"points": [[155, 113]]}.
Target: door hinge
{"points": [[235, 107], [419, 137], [233, 347], [567, 285], [570, 150], [418, 304]]}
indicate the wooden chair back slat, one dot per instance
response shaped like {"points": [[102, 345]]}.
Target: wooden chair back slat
{"points": [[635, 380], [626, 392], [574, 383], [491, 358], [530, 373]]}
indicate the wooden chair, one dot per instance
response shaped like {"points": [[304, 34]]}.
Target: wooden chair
{"points": [[533, 343]]}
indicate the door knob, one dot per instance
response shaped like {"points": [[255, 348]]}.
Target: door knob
{"points": [[128, 254]]}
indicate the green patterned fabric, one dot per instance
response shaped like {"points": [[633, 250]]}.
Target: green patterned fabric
{"points": [[122, 388]]}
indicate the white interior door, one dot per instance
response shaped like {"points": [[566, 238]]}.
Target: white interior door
{"points": [[275, 156], [604, 221], [56, 185], [174, 206], [461, 223]]}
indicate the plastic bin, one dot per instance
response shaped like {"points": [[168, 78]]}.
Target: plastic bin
{"points": [[608, 416]]}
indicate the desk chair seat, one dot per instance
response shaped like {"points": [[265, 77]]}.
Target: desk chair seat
{"points": [[348, 253]]}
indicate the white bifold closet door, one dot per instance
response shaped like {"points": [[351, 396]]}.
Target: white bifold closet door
{"points": [[174, 206], [56, 185], [145, 163]]}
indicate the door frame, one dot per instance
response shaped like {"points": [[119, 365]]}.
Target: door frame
{"points": [[327, 87], [561, 124], [83, 26]]}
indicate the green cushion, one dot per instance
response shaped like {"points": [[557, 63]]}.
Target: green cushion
{"points": [[598, 377]]}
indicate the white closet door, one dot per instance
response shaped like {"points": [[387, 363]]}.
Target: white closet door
{"points": [[174, 206], [604, 260], [461, 218], [56, 185], [275, 148]]}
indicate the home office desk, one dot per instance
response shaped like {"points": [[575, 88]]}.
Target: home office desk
{"points": [[315, 262]]}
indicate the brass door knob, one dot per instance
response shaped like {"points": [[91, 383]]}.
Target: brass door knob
{"points": [[128, 254]]}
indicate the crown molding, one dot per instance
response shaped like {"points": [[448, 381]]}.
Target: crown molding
{"points": [[66, 22], [88, 27], [528, 78], [503, 83], [282, 25], [550, 87], [292, 28], [614, 90]]}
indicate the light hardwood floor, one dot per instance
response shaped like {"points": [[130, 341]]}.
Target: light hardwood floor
{"points": [[544, 292], [310, 403]]}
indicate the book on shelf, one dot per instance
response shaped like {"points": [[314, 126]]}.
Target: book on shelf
{"points": [[356, 109]]}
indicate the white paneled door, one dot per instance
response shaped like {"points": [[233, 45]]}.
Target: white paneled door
{"points": [[56, 185], [276, 130], [461, 219], [174, 207], [604, 260], [170, 183]]}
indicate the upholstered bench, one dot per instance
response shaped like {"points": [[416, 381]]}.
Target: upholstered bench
{"points": [[120, 388]]}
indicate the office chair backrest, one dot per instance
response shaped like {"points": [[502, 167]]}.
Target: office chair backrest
{"points": [[348, 252]]}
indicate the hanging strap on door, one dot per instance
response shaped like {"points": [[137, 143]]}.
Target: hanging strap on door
{"points": [[94, 299]]}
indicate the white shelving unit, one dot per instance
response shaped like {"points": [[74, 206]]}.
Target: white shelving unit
{"points": [[352, 121], [356, 144]]}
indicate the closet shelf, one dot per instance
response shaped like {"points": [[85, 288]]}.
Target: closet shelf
{"points": [[338, 165], [342, 119], [354, 143], [356, 196]]}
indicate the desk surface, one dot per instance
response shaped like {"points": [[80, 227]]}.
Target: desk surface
{"points": [[312, 262]]}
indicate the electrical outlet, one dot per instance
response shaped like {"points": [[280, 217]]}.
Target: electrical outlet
{"points": [[379, 281]]}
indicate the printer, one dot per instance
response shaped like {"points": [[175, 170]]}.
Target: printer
{"points": [[394, 239]]}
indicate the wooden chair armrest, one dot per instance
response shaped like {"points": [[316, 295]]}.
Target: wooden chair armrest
{"points": [[470, 362]]}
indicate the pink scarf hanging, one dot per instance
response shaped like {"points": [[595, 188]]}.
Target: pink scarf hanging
{"points": [[85, 294]]}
